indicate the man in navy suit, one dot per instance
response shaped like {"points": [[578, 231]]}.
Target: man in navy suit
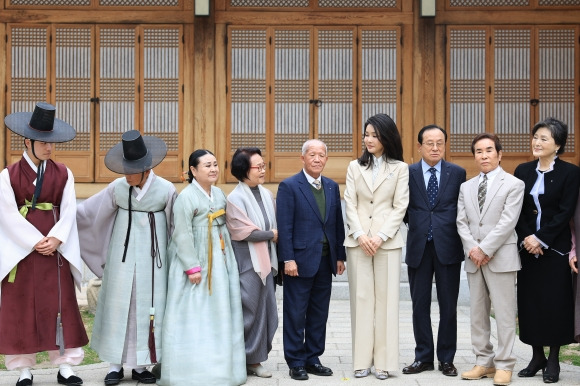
{"points": [[310, 238], [434, 247]]}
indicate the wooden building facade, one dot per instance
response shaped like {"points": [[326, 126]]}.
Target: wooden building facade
{"points": [[274, 73]]}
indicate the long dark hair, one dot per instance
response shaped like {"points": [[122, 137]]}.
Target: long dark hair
{"points": [[388, 135], [194, 161]]}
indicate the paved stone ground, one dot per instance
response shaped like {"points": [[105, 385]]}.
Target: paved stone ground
{"points": [[338, 357]]}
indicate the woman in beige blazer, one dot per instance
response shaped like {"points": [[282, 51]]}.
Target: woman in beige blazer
{"points": [[376, 195]]}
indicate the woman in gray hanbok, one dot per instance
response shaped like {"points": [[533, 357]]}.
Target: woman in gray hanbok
{"points": [[203, 335], [251, 220]]}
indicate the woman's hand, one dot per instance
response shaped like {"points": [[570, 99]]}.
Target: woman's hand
{"points": [[573, 265], [369, 245], [533, 246], [275, 238], [195, 278]]}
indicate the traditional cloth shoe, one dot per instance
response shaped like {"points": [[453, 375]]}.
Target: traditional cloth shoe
{"points": [[114, 377], [259, 371], [25, 381], [73, 380]]}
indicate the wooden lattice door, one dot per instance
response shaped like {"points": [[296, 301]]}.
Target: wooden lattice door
{"points": [[53, 63], [503, 80], [287, 85], [139, 88]]}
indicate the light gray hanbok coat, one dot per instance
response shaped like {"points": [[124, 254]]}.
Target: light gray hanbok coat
{"points": [[121, 327]]}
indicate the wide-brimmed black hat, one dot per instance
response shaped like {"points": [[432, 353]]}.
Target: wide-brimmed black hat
{"points": [[135, 153], [40, 125]]}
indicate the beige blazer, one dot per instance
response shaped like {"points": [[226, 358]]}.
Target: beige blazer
{"points": [[378, 207], [493, 230]]}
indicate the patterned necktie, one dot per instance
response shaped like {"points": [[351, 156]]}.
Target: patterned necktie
{"points": [[317, 184], [481, 191], [432, 190]]}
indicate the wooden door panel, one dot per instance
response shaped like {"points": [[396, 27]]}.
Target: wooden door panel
{"points": [[73, 79]]}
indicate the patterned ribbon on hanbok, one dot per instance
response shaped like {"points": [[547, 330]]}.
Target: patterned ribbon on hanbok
{"points": [[211, 217], [24, 211]]}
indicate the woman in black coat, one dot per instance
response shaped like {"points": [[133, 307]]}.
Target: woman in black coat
{"points": [[545, 304]]}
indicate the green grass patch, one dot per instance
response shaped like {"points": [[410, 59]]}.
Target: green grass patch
{"points": [[91, 356]]}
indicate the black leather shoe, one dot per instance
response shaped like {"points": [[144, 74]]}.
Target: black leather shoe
{"points": [[72, 380], [25, 381], [447, 368], [114, 377], [531, 370], [551, 377], [318, 369], [418, 367], [144, 377], [298, 373]]}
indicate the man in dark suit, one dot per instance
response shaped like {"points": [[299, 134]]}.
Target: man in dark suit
{"points": [[310, 238], [433, 247]]}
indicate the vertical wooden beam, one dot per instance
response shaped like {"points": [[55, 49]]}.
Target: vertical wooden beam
{"points": [[222, 152], [188, 94], [204, 83], [440, 97]]}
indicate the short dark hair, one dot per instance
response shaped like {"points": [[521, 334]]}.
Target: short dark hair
{"points": [[481, 136], [241, 162], [194, 161], [388, 135], [558, 129], [430, 127]]}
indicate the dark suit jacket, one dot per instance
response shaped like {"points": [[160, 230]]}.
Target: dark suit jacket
{"points": [[558, 203], [443, 215], [301, 228]]}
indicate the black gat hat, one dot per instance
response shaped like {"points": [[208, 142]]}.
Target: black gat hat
{"points": [[40, 125], [135, 153]]}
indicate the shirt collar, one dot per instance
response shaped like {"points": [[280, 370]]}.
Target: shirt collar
{"points": [[31, 164], [425, 166], [311, 179]]}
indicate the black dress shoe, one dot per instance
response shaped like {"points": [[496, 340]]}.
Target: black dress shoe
{"points": [[318, 369], [531, 370], [72, 380], [447, 368], [298, 373], [143, 377], [25, 381], [418, 367], [114, 377], [551, 377]]}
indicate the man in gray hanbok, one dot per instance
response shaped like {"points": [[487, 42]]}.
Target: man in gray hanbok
{"points": [[126, 228]]}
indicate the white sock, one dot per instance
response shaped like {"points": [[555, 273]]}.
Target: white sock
{"points": [[25, 373], [139, 370], [115, 368], [66, 371]]}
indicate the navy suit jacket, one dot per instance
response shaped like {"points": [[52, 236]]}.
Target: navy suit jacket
{"points": [[301, 227], [443, 215]]}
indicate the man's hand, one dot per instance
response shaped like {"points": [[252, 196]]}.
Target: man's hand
{"points": [[478, 257], [290, 268], [340, 267], [275, 238], [47, 246]]}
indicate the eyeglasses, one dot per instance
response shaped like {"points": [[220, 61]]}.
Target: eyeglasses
{"points": [[260, 167], [438, 145]]}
